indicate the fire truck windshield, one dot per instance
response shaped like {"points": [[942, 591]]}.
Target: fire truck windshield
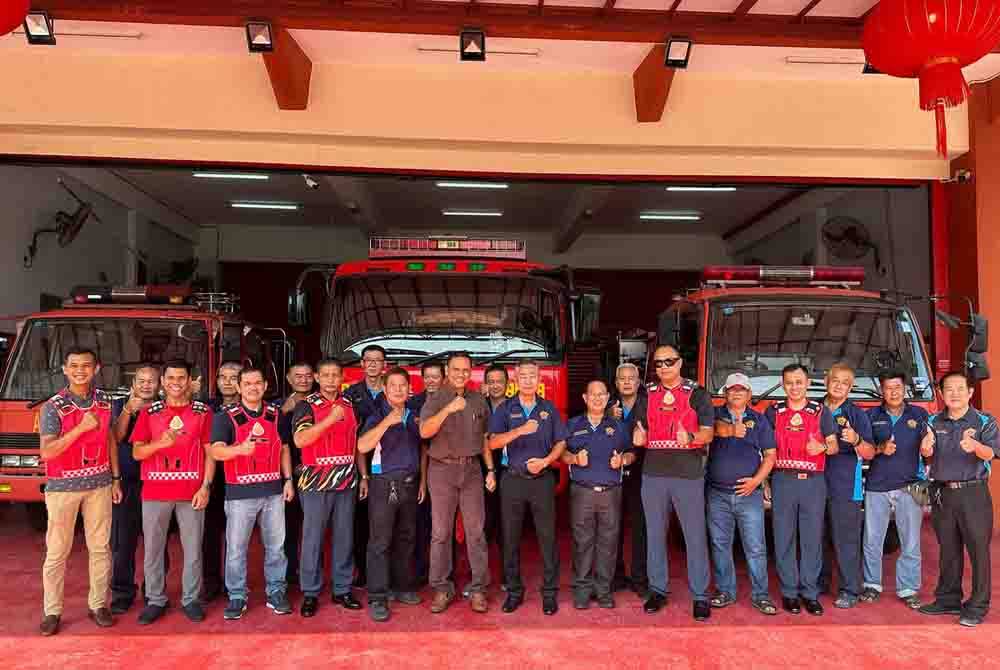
{"points": [[759, 339], [121, 343], [415, 316]]}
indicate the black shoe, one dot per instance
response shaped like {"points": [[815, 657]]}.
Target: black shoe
{"points": [[234, 610], [654, 603], [791, 605], [150, 613], [309, 606], [606, 602], [378, 610], [347, 601], [702, 610], [970, 620], [550, 605], [511, 603], [101, 617], [937, 608], [620, 583], [194, 611], [120, 606], [581, 601], [814, 607], [49, 625]]}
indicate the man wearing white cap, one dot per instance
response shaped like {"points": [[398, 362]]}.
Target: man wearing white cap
{"points": [[739, 460]]}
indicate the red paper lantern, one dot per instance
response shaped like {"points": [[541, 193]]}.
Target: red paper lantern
{"points": [[12, 13], [932, 40]]}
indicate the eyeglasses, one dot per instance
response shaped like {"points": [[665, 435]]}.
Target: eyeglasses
{"points": [[369, 361], [665, 362]]}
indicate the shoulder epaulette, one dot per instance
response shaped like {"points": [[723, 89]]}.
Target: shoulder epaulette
{"points": [[156, 407], [780, 406], [346, 401], [689, 385], [652, 386], [812, 407], [232, 408], [199, 407], [62, 404], [271, 411], [315, 399]]}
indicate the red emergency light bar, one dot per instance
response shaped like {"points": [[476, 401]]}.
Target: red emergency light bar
{"points": [[429, 247], [153, 293], [783, 274]]}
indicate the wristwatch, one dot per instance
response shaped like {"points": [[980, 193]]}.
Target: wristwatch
{"points": [[489, 470]]}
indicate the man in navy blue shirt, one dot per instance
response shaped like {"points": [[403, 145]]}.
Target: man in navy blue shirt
{"points": [[392, 435], [597, 449], [965, 441], [901, 439], [126, 517], [535, 436], [844, 487], [740, 458]]}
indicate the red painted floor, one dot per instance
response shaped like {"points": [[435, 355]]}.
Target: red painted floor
{"points": [[884, 635]]}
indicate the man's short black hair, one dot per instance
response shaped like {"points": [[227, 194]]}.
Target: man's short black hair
{"points": [[80, 351], [249, 370], [459, 354], [398, 372], [432, 364], [323, 362], [177, 364], [889, 375], [954, 373], [496, 367], [372, 347], [794, 367]]}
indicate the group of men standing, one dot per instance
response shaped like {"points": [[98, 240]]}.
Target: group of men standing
{"points": [[390, 473]]}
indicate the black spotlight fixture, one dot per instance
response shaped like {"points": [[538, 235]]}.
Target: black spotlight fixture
{"points": [[472, 44], [678, 52], [38, 28], [259, 37]]}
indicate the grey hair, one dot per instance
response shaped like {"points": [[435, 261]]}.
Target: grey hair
{"points": [[230, 365], [623, 366]]}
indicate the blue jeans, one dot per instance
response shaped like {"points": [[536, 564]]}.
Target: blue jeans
{"points": [[318, 510], [660, 495], [726, 512], [879, 506], [241, 516], [798, 510]]}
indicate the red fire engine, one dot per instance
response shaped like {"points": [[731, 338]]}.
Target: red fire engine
{"points": [[421, 299], [125, 327]]}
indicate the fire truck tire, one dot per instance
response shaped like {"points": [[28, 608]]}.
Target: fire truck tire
{"points": [[38, 518], [563, 482]]}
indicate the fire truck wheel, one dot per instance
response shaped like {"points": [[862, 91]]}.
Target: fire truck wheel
{"points": [[38, 519]]}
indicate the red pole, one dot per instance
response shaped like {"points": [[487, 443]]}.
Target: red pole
{"points": [[940, 286]]}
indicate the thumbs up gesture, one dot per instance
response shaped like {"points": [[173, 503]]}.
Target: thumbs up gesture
{"points": [[739, 429], [616, 460], [582, 458], [639, 436], [889, 448], [616, 410], [89, 422], [927, 444], [683, 437], [815, 447], [968, 443]]}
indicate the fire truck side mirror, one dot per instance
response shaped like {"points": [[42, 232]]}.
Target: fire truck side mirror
{"points": [[976, 367], [298, 308], [979, 333]]}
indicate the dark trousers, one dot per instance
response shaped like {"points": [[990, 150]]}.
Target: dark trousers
{"points": [[392, 516], [214, 539], [319, 509], [422, 541], [126, 524], [660, 497], [518, 494], [632, 510], [847, 520], [293, 536], [963, 519], [494, 513], [595, 517], [457, 488], [797, 512]]}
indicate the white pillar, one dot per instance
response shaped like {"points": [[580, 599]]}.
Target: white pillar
{"points": [[131, 257]]}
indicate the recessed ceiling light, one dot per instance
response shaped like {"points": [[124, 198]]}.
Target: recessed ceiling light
{"points": [[471, 184], [472, 212], [670, 216], [264, 205], [230, 175], [701, 189], [39, 29]]}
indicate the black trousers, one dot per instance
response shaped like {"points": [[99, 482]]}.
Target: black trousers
{"points": [[631, 509], [213, 542], [293, 537], [126, 526], [517, 495], [422, 543], [595, 517], [494, 513], [392, 516], [963, 519], [847, 521]]}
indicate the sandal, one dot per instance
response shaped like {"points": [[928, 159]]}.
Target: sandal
{"points": [[764, 606], [870, 595], [913, 602], [720, 600]]}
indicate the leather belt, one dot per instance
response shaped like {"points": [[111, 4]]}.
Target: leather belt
{"points": [[455, 460], [963, 485], [801, 474], [597, 489]]}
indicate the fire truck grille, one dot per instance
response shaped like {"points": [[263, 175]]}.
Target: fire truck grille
{"points": [[19, 441]]}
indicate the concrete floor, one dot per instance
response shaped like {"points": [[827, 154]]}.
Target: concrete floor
{"points": [[884, 635]]}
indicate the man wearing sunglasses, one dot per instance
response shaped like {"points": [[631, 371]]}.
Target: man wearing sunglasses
{"points": [[675, 431]]}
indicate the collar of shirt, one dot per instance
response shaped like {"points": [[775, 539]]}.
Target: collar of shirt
{"points": [[965, 418], [254, 413], [540, 405]]}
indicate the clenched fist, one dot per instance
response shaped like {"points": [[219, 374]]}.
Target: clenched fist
{"points": [[457, 404]]}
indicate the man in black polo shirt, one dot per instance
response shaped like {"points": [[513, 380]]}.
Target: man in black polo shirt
{"points": [[301, 380], [395, 490], [432, 374], [598, 448], [965, 441], [495, 389], [126, 517], [535, 436]]}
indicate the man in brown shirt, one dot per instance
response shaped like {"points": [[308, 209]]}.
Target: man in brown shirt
{"points": [[454, 420]]}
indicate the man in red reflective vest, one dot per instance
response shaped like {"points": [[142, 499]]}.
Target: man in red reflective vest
{"points": [[258, 469], [171, 440], [81, 463], [805, 432]]}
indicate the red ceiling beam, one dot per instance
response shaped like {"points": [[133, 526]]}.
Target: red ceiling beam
{"points": [[744, 8], [289, 70], [651, 81], [805, 10], [447, 18]]}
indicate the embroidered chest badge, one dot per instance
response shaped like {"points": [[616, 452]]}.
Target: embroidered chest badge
{"points": [[257, 430], [543, 415], [750, 424], [609, 430], [912, 423], [841, 420], [176, 423], [795, 423], [668, 402]]}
